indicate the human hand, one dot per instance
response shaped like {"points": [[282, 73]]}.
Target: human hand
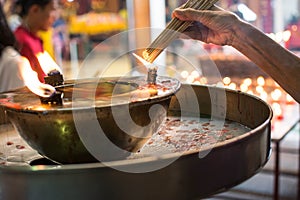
{"points": [[215, 26]]}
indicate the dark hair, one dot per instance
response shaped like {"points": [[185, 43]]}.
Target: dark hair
{"points": [[24, 5], [7, 37]]}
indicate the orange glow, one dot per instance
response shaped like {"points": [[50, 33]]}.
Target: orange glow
{"points": [[250, 92], [261, 81], [47, 63], [144, 62], [287, 36], [32, 82], [184, 74], [264, 96], [277, 110], [203, 80], [276, 94], [195, 74], [226, 80], [220, 84], [244, 87], [259, 89], [289, 99], [190, 79], [232, 86], [247, 81], [264, 88]]}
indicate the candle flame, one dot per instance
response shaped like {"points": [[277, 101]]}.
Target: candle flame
{"points": [[259, 89], [31, 80], [47, 63], [184, 74], [226, 80], [276, 94], [244, 87], [289, 99], [277, 110], [144, 62], [232, 86], [264, 96], [247, 81], [261, 81]]}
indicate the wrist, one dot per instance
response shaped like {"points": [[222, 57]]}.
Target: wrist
{"points": [[241, 33]]}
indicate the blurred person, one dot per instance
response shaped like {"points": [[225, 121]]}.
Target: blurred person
{"points": [[222, 27], [37, 15], [11, 13], [15, 70], [10, 76]]}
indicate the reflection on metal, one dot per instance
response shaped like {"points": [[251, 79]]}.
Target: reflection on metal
{"points": [[53, 130]]}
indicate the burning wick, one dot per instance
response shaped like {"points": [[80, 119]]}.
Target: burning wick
{"points": [[152, 69]]}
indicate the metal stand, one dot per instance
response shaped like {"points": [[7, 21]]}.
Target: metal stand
{"points": [[276, 171], [280, 130], [299, 163], [277, 164]]}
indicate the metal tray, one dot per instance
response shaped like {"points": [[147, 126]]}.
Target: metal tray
{"points": [[191, 175]]}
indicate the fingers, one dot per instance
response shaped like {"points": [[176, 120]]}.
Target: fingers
{"points": [[191, 14], [209, 18], [179, 12]]}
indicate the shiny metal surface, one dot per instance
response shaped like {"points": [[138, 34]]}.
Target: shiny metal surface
{"points": [[189, 177], [52, 131]]}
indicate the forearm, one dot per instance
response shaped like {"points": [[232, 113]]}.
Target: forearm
{"points": [[282, 65]]}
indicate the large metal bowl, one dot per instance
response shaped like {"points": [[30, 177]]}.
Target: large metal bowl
{"points": [[189, 177], [58, 131]]}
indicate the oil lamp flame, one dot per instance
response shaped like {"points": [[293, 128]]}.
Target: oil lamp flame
{"points": [[144, 62], [47, 63], [32, 82]]}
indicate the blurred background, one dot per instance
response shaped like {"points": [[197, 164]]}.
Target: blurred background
{"points": [[90, 38], [83, 24]]}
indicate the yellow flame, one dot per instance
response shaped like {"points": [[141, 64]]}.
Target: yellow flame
{"points": [[226, 80], [144, 62], [261, 81], [47, 63], [31, 80]]}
